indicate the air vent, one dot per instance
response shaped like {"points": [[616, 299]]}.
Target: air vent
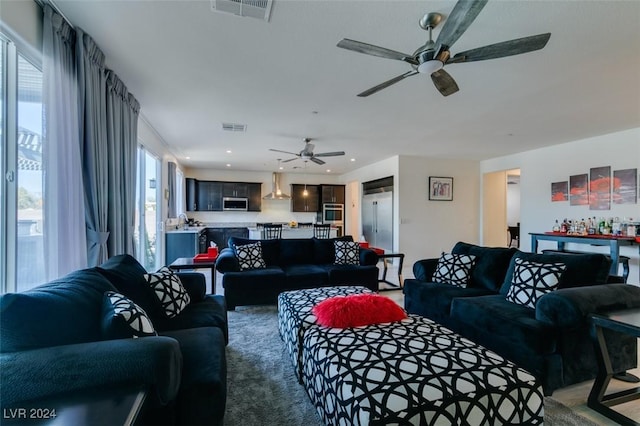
{"points": [[259, 9], [234, 127]]}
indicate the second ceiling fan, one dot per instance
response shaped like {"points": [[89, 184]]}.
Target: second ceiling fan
{"points": [[307, 153], [431, 57]]}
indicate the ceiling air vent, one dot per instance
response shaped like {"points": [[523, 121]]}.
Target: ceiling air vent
{"points": [[259, 9], [234, 127]]}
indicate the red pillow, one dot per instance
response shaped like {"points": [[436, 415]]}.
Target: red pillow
{"points": [[356, 310]]}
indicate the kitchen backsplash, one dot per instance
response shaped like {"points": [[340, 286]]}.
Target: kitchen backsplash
{"points": [[272, 211]]}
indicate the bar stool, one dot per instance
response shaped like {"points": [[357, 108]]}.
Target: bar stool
{"points": [[271, 231], [321, 231]]}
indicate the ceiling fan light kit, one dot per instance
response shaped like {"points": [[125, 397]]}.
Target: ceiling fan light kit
{"points": [[432, 57]]}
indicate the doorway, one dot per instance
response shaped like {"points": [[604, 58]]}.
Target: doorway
{"points": [[501, 208]]}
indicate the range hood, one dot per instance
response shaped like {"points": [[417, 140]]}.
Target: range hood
{"points": [[276, 193]]}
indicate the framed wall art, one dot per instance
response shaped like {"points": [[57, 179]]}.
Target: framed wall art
{"points": [[440, 188]]}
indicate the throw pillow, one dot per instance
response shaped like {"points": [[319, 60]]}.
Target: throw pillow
{"points": [[532, 280], [123, 319], [356, 310], [169, 292], [250, 256], [347, 252], [454, 269]]}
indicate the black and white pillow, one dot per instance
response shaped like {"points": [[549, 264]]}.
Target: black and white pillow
{"points": [[122, 318], [169, 291], [347, 252], [532, 280], [250, 256], [454, 269]]}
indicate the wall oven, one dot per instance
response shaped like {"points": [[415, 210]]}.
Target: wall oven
{"points": [[333, 213]]}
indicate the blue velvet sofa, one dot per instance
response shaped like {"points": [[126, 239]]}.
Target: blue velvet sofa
{"points": [[551, 341], [53, 344], [291, 264]]}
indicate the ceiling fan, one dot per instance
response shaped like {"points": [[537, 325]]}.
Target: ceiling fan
{"points": [[307, 153], [431, 57]]}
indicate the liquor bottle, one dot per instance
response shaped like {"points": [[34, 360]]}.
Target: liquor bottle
{"points": [[556, 226], [563, 226]]}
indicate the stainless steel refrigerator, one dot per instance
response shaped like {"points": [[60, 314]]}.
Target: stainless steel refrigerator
{"points": [[377, 219]]}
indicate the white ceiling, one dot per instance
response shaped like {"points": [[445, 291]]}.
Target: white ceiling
{"points": [[193, 69]]}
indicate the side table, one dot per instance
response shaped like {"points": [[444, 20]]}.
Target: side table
{"points": [[384, 258], [628, 322], [188, 263]]}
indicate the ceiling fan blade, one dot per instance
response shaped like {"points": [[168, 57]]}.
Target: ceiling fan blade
{"points": [[444, 82], [316, 160], [386, 84], [505, 48], [462, 15], [370, 49], [329, 154], [286, 152], [290, 159]]}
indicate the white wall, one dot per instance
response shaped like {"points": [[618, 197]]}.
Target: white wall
{"points": [[620, 150], [427, 228], [424, 228], [22, 20]]}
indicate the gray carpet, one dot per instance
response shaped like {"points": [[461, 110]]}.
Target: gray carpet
{"points": [[263, 391]]}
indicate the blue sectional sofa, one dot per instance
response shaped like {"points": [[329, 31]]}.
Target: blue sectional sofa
{"points": [[53, 344], [291, 264], [551, 340]]}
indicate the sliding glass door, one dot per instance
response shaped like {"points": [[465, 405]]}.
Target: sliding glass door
{"points": [[148, 210]]}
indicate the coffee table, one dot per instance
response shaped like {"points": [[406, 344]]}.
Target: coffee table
{"points": [[627, 322]]}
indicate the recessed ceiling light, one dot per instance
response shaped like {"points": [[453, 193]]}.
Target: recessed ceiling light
{"points": [[228, 165], [328, 170], [228, 151], [188, 158], [281, 168], [353, 159]]}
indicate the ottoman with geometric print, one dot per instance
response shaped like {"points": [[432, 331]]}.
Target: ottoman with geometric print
{"points": [[413, 372], [295, 316]]}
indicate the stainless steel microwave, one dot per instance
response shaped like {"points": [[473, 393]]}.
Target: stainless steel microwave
{"points": [[232, 203]]}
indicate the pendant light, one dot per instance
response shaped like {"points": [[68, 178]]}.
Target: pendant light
{"points": [[305, 193]]}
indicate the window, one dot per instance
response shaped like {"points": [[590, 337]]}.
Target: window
{"points": [[147, 210], [180, 193], [21, 194]]}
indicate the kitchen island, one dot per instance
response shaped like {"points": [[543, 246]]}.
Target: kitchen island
{"points": [[289, 232]]}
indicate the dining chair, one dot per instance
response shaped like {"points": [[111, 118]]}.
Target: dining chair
{"points": [[271, 231], [321, 230]]}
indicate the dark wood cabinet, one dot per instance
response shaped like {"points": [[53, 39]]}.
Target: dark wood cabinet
{"points": [[235, 189], [209, 198], [207, 195], [255, 197], [220, 236], [333, 194], [191, 195], [301, 203]]}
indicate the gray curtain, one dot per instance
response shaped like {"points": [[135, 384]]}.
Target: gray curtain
{"points": [[64, 230], [92, 92], [122, 111], [171, 186]]}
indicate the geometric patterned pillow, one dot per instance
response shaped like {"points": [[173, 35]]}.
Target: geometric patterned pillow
{"points": [[347, 252], [454, 269], [169, 291], [123, 319], [532, 280], [250, 256]]}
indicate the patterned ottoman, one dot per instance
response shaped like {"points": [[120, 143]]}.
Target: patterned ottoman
{"points": [[413, 372], [295, 317]]}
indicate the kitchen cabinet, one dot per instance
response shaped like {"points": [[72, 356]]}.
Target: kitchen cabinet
{"points": [[206, 195], [191, 194], [332, 194], [220, 236], [307, 204], [209, 198], [182, 244], [235, 189], [255, 197]]}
